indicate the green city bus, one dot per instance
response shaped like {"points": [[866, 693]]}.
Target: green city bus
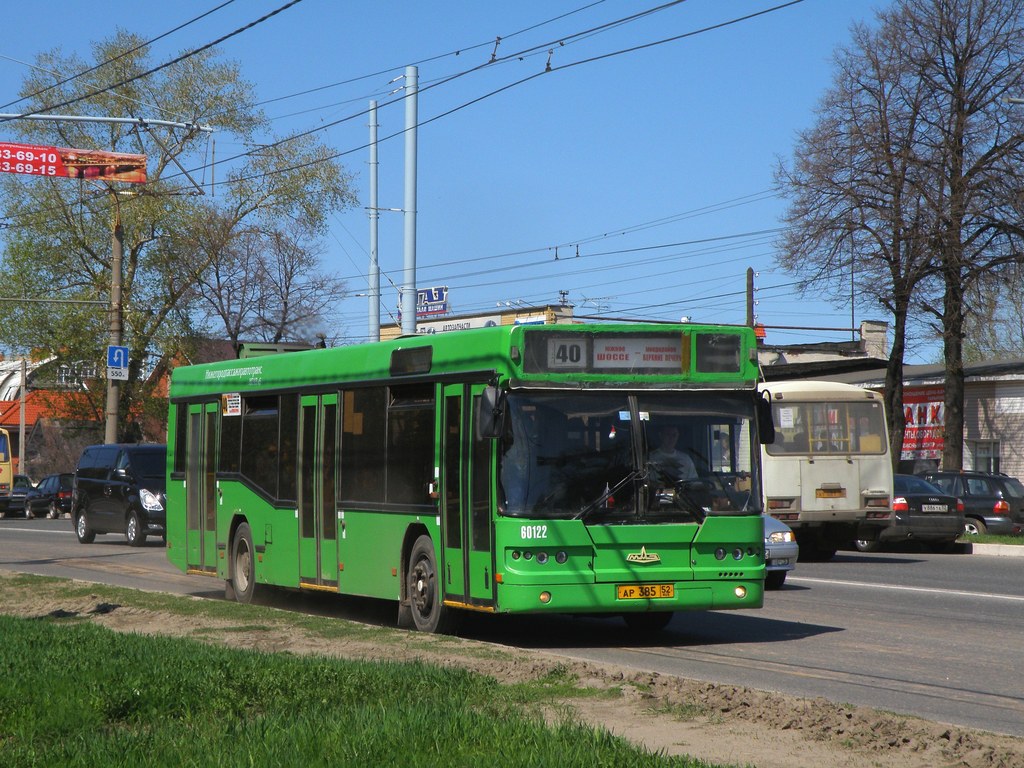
{"points": [[512, 469]]}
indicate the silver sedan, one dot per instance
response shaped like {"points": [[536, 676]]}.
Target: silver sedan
{"points": [[780, 552]]}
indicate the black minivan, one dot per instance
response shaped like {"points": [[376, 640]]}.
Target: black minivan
{"points": [[120, 488]]}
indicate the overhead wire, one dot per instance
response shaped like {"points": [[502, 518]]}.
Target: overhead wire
{"points": [[521, 81], [159, 67], [113, 59]]}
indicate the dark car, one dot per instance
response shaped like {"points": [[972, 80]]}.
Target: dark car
{"points": [[52, 496], [14, 503], [120, 488], [920, 512], [993, 503]]}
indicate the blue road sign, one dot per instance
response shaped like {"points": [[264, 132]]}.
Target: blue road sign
{"points": [[117, 357]]}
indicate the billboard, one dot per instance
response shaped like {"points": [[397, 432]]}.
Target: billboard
{"points": [[72, 163], [924, 422]]}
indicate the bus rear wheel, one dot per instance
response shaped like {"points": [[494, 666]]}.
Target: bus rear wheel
{"points": [[429, 614], [242, 578]]}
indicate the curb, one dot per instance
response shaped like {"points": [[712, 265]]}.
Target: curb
{"points": [[993, 550]]}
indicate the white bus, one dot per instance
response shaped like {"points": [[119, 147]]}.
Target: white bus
{"points": [[828, 475]]}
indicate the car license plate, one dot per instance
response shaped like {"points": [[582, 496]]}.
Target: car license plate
{"points": [[830, 493], [644, 591], [781, 561], [933, 507]]}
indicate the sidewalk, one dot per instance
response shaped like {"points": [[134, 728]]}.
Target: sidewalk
{"points": [[996, 550]]}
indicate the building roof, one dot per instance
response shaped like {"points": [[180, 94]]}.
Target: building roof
{"points": [[873, 376], [36, 407]]}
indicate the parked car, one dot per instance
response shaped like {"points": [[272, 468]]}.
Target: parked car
{"points": [[993, 502], [120, 488], [920, 511], [780, 552], [14, 503], [52, 496]]}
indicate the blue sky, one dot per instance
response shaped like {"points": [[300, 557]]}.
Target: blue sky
{"points": [[656, 163]]}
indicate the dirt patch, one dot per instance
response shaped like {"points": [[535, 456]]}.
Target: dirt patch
{"points": [[723, 724]]}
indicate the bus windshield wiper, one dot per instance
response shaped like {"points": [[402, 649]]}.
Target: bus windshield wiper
{"points": [[608, 493]]}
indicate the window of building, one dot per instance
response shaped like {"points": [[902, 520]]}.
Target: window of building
{"points": [[986, 455]]}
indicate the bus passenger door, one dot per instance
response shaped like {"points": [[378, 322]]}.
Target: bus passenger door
{"points": [[466, 502], [201, 496], [317, 506]]}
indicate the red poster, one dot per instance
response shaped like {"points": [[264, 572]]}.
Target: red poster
{"points": [[924, 420], [72, 163]]}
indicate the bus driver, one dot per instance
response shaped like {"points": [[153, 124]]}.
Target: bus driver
{"points": [[670, 464]]}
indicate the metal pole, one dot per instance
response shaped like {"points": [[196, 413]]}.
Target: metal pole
{"points": [[21, 419], [5, 116], [750, 296], [113, 385], [374, 300], [409, 273]]}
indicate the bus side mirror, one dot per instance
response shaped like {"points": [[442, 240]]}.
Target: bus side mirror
{"points": [[490, 414], [765, 423]]}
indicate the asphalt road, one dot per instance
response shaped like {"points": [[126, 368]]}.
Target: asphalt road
{"points": [[938, 636]]}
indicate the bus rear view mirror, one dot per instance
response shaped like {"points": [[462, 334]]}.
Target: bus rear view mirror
{"points": [[765, 422], [490, 415]]}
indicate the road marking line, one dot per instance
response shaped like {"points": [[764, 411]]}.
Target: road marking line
{"points": [[898, 587]]}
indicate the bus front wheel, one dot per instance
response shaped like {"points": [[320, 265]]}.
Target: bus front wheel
{"points": [[429, 614], [242, 577]]}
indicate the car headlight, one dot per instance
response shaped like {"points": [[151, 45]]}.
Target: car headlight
{"points": [[150, 501], [778, 537]]}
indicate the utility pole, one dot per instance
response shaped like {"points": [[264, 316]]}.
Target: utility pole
{"points": [[113, 385], [750, 296], [21, 418], [374, 300], [408, 293]]}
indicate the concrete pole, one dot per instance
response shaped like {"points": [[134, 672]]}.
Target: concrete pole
{"points": [[409, 272], [21, 417], [113, 385], [374, 276], [750, 296]]}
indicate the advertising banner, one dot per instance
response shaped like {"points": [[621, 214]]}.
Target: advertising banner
{"points": [[924, 420], [72, 163]]}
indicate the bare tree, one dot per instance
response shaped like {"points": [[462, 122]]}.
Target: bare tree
{"points": [[270, 287], [855, 212], [917, 145], [970, 55]]}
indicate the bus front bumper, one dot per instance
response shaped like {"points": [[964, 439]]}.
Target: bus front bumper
{"points": [[630, 597]]}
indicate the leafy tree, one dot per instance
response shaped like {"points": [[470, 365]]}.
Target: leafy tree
{"points": [[59, 236], [916, 141]]}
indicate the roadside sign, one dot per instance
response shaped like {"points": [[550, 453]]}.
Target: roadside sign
{"points": [[117, 363], [72, 163]]}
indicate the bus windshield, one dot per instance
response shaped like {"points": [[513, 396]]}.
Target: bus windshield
{"points": [[616, 457], [829, 427]]}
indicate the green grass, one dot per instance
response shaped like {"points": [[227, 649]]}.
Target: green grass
{"points": [[75, 694]]}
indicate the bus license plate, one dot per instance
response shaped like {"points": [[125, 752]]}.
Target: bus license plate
{"points": [[644, 591], [830, 493]]}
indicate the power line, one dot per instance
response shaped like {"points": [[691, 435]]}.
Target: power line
{"points": [[118, 57], [159, 67]]}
